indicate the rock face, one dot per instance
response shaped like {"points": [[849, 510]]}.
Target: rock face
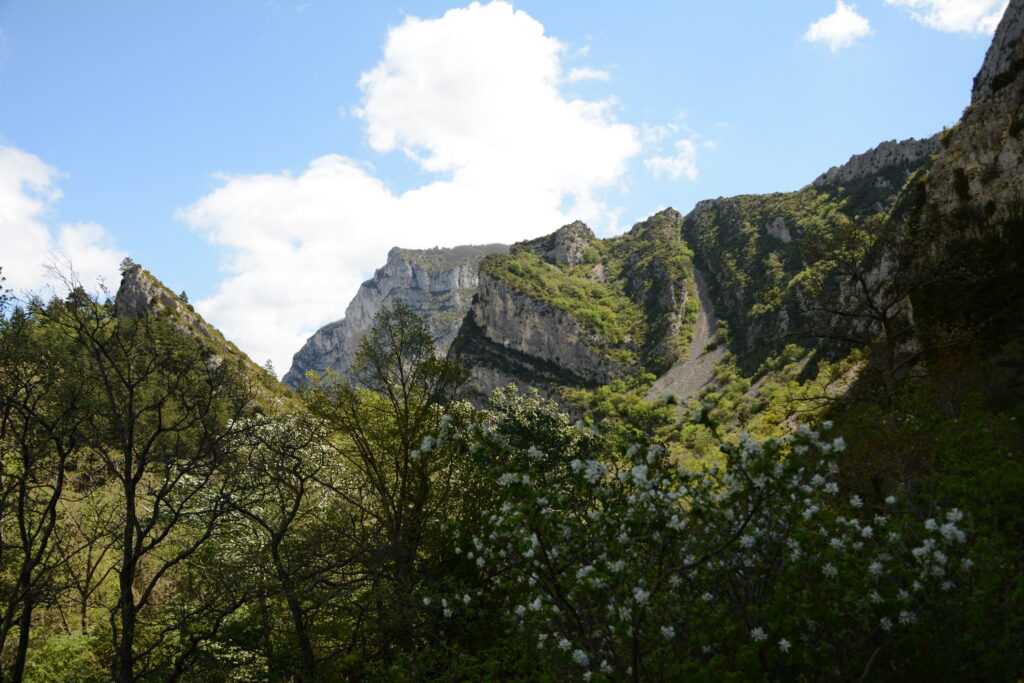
{"points": [[888, 155], [438, 284], [566, 246], [979, 168], [140, 292], [532, 322], [749, 247], [569, 311], [509, 337], [932, 202], [1002, 53]]}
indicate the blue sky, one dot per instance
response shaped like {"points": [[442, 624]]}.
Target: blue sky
{"points": [[263, 156]]}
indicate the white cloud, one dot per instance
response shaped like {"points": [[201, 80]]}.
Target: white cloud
{"points": [[682, 163], [842, 28], [653, 134], [28, 193], [473, 95], [968, 16], [587, 74]]}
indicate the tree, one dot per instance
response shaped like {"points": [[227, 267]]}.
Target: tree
{"points": [[857, 293], [385, 419], [294, 539], [41, 410], [160, 414]]}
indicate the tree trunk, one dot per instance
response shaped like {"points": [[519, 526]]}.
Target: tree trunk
{"points": [[308, 672], [25, 627], [124, 659]]}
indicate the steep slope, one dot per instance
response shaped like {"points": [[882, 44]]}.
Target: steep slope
{"points": [[570, 310], [910, 252], [438, 284], [140, 293], [964, 220], [695, 370], [755, 249]]}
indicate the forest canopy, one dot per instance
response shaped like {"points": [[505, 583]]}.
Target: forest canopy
{"points": [[165, 517]]}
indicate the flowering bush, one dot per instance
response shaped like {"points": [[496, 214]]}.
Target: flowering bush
{"points": [[636, 568]]}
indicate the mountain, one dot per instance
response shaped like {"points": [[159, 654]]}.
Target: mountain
{"points": [[859, 258], [141, 292], [438, 284]]}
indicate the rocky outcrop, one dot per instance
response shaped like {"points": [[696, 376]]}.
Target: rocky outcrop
{"points": [[140, 293], [979, 169], [438, 284], [511, 338], [566, 246], [1002, 53], [546, 324], [660, 285], [906, 154]]}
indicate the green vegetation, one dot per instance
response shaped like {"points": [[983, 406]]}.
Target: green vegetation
{"points": [[441, 259], [601, 307], [842, 502], [382, 530], [635, 293], [177, 310]]}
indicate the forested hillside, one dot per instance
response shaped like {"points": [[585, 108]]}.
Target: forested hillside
{"points": [[835, 496]]}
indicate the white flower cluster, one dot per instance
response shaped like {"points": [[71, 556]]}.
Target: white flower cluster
{"points": [[643, 542]]}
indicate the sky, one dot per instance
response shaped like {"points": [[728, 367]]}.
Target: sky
{"points": [[265, 156]]}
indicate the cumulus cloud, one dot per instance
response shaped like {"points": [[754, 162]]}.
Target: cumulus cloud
{"points": [[842, 28], [967, 16], [587, 74], [28, 193], [473, 97], [682, 163]]}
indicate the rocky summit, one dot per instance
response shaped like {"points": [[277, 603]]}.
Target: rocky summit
{"points": [[438, 284]]}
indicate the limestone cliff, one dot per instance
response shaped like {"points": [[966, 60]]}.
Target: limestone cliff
{"points": [[753, 248], [979, 168], [509, 337], [963, 233], [811, 267], [887, 155], [438, 284], [1002, 53], [572, 311]]}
